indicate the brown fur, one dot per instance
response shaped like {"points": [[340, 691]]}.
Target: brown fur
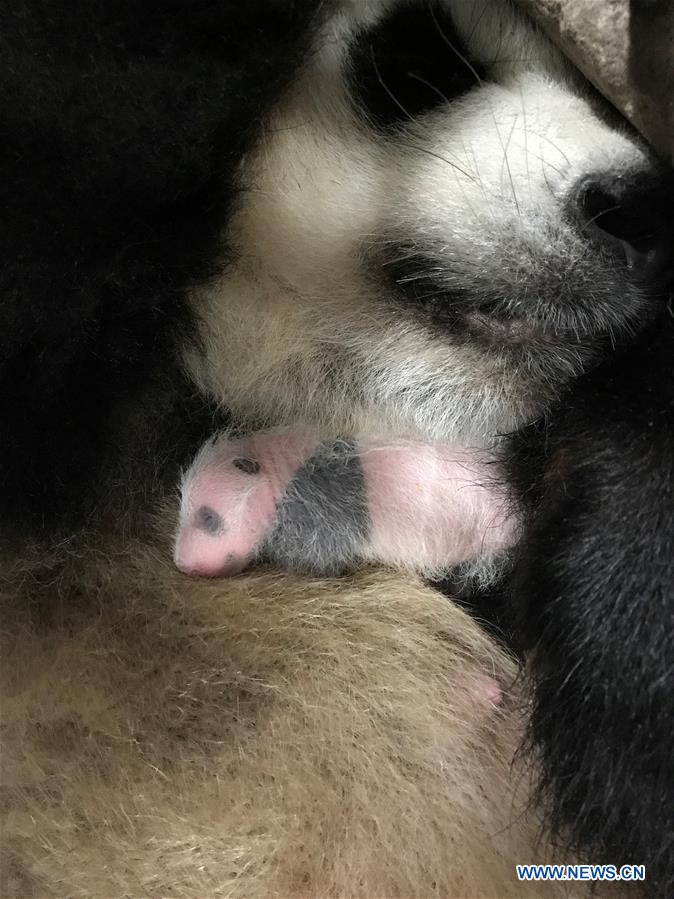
{"points": [[268, 736]]}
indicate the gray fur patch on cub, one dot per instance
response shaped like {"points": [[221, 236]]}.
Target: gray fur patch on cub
{"points": [[328, 488]]}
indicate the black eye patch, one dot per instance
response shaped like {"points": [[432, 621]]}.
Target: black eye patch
{"points": [[410, 62], [208, 521], [247, 466], [417, 283]]}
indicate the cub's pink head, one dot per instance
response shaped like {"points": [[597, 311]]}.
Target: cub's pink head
{"points": [[227, 508]]}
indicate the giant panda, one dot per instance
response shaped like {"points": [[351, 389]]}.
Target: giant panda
{"points": [[372, 215]]}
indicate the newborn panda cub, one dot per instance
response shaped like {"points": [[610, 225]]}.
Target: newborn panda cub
{"points": [[321, 507], [306, 504]]}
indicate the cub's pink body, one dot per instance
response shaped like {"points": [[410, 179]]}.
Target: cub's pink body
{"points": [[430, 506]]}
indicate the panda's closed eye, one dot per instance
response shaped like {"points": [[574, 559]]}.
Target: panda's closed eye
{"points": [[410, 62]]}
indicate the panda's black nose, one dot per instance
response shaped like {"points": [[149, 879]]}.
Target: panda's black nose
{"points": [[630, 216]]}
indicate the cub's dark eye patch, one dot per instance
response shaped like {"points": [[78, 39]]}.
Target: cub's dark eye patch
{"points": [[410, 62], [247, 466], [208, 521]]}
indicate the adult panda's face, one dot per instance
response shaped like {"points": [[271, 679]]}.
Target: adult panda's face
{"points": [[439, 227]]}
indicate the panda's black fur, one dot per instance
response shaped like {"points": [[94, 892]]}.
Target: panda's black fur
{"points": [[589, 604], [593, 591]]}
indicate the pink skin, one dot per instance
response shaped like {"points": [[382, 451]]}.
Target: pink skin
{"points": [[488, 690], [432, 505], [245, 502], [475, 697]]}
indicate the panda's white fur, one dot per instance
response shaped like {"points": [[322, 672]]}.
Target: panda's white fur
{"points": [[304, 327]]}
